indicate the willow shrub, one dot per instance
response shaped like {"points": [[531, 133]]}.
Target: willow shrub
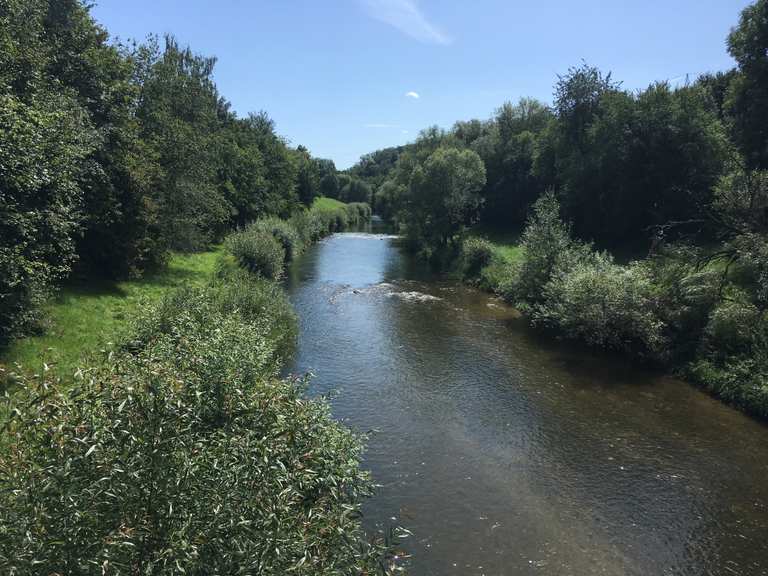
{"points": [[358, 213], [180, 452], [476, 254], [284, 232], [605, 305], [258, 251], [733, 359]]}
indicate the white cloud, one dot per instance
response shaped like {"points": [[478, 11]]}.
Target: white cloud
{"points": [[414, 95], [380, 126], [406, 16], [404, 131]]}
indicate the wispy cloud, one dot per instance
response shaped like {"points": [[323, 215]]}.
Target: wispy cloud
{"points": [[380, 126], [414, 95], [406, 16]]}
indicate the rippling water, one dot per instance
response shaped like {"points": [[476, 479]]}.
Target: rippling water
{"points": [[505, 453]]}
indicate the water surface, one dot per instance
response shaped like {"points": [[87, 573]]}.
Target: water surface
{"points": [[506, 453]]}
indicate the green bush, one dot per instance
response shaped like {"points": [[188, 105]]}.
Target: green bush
{"points": [[739, 380], [547, 246], [285, 233], [183, 455], [476, 254], [358, 213], [259, 302], [684, 295], [257, 251], [340, 220], [734, 328], [605, 305]]}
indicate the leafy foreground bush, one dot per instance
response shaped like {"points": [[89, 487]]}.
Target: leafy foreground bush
{"points": [[258, 251], [180, 452]]}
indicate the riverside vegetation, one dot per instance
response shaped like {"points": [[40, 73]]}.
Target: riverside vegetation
{"points": [[677, 176], [175, 448], [179, 449]]}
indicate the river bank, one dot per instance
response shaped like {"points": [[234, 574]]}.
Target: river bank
{"points": [[678, 309], [185, 406], [86, 314]]}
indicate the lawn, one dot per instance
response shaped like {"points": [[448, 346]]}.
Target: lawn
{"points": [[323, 203], [84, 316]]}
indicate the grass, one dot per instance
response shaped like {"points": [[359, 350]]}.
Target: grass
{"points": [[506, 251], [323, 203], [505, 243], [84, 316]]}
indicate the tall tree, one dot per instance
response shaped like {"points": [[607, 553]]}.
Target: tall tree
{"points": [[747, 100], [444, 197]]}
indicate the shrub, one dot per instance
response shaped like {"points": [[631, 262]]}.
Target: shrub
{"points": [[546, 245], [605, 305], [339, 220], [739, 380], [685, 295], [257, 251], [358, 213], [734, 328], [259, 302], [284, 232], [476, 254], [182, 456]]}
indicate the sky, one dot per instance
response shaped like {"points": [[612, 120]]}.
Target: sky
{"points": [[347, 77]]}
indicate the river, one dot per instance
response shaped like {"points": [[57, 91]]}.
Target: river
{"points": [[506, 453]]}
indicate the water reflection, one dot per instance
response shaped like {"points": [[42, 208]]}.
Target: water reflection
{"points": [[506, 453]]}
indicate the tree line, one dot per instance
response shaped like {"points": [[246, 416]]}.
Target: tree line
{"points": [[674, 177], [625, 165], [114, 154]]}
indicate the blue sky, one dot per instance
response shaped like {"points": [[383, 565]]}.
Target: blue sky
{"points": [[346, 77]]}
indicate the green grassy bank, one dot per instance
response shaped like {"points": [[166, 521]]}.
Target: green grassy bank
{"points": [[85, 315]]}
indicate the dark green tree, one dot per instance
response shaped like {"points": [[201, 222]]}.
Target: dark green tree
{"points": [[444, 197], [747, 101]]}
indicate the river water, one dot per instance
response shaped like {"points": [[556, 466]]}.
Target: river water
{"points": [[506, 453]]}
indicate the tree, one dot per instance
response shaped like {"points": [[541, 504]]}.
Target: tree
{"points": [[444, 197], [356, 191], [308, 176], [508, 150], [46, 138], [747, 100]]}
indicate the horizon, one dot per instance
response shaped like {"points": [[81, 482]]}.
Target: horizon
{"points": [[402, 65]]}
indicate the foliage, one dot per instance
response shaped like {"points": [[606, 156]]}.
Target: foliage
{"points": [[308, 177], [258, 251], [547, 246], [284, 232], [603, 304], [356, 191], [444, 197], [184, 454], [114, 154], [476, 254], [43, 142], [747, 98]]}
